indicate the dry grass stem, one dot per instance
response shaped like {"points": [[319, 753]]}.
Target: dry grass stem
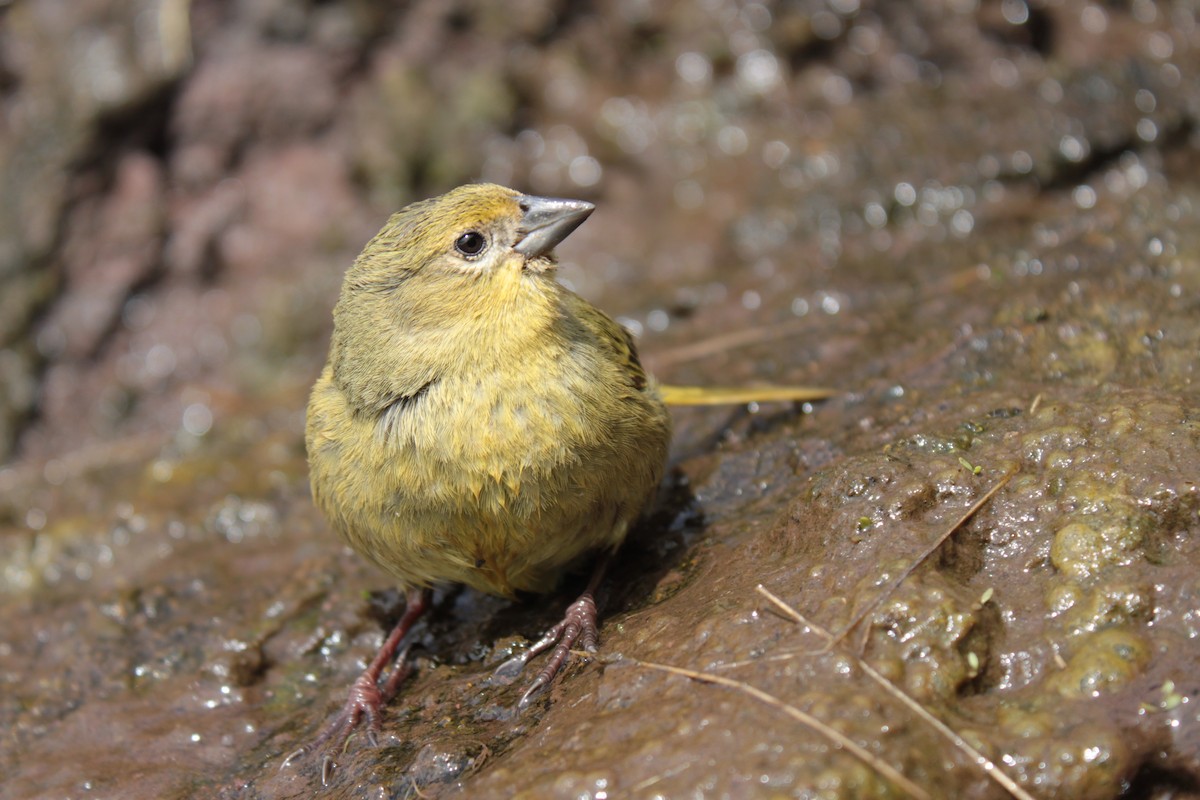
{"points": [[175, 32], [812, 723], [966, 515], [983, 762], [720, 395]]}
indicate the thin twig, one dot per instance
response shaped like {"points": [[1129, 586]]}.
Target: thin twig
{"points": [[812, 723], [966, 515], [983, 762]]}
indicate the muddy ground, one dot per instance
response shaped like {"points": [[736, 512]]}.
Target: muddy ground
{"points": [[977, 220]]}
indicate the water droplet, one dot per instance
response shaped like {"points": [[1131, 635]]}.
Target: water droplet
{"points": [[159, 361], [775, 153], [825, 25], [962, 222], [1159, 45], [1022, 162], [758, 70], [905, 194], [658, 320], [1073, 148], [1015, 12], [693, 68], [1004, 73], [1093, 19], [55, 472], [1050, 90], [732, 140], [585, 171], [197, 419], [864, 40], [837, 89], [756, 16], [1145, 101], [1084, 196]]}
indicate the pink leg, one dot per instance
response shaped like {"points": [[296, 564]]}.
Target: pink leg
{"points": [[366, 699], [578, 625]]}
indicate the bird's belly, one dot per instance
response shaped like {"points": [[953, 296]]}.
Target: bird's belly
{"points": [[500, 488]]}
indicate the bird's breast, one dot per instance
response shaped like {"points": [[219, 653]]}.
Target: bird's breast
{"points": [[497, 479]]}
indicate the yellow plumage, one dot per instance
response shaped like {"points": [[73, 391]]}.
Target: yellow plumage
{"points": [[477, 422]]}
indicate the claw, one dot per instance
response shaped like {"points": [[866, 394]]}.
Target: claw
{"points": [[366, 700], [510, 669], [327, 767], [295, 754], [577, 625], [534, 685]]}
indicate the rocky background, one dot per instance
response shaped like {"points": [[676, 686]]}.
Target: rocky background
{"points": [[977, 219]]}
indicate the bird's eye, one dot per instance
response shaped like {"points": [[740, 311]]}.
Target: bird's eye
{"points": [[470, 243]]}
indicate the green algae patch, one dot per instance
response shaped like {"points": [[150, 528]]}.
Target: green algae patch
{"points": [[1105, 662]]}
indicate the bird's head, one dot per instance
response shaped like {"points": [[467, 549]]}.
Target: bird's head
{"points": [[473, 230], [464, 276]]}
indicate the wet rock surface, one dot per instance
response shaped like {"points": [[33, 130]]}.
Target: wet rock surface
{"points": [[975, 219]]}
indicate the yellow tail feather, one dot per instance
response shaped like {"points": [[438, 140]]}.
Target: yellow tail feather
{"points": [[729, 395]]}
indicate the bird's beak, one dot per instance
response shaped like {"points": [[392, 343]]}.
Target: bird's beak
{"points": [[547, 221]]}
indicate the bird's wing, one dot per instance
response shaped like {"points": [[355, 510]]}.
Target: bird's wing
{"points": [[611, 335]]}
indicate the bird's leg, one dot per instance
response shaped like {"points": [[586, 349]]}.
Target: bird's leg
{"points": [[578, 625], [366, 698]]}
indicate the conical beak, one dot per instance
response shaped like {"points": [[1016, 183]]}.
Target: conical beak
{"points": [[547, 221]]}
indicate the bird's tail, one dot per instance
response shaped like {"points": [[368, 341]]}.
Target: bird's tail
{"points": [[730, 395]]}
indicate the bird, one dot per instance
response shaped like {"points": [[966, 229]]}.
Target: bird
{"points": [[479, 423]]}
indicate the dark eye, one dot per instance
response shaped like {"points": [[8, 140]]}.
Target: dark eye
{"points": [[470, 243]]}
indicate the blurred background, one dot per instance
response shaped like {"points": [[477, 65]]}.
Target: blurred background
{"points": [[185, 180], [942, 207]]}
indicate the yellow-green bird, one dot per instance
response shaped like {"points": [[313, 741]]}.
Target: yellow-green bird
{"points": [[478, 423]]}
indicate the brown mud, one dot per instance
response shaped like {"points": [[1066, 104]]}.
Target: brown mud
{"points": [[978, 220]]}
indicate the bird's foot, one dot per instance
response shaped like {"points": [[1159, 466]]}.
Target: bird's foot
{"points": [[578, 625], [364, 704], [367, 698]]}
